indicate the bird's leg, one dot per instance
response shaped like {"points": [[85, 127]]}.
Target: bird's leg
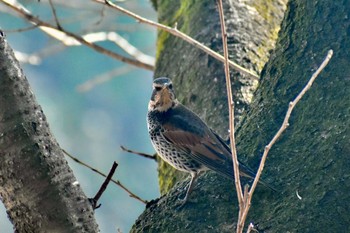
{"points": [[190, 186]]}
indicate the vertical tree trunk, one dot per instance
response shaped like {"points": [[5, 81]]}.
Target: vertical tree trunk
{"points": [[37, 187], [312, 157], [200, 84], [200, 79], [310, 160]]}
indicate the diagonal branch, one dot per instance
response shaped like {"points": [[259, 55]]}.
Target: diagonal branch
{"points": [[179, 34], [117, 182], [153, 157], [102, 78], [64, 35], [103, 187], [285, 124]]}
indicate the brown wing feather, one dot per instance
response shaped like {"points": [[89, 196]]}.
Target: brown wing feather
{"points": [[204, 149]]}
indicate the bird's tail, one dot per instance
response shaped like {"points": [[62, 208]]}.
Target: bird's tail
{"points": [[247, 172], [243, 169]]}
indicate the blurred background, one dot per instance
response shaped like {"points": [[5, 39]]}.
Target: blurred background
{"points": [[93, 103]]}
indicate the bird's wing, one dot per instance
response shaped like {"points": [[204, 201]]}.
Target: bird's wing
{"points": [[244, 170], [199, 143]]}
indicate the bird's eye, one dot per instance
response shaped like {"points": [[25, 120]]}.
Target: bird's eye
{"points": [[170, 86], [158, 88]]}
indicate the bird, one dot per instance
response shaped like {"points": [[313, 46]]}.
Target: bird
{"points": [[183, 140]]}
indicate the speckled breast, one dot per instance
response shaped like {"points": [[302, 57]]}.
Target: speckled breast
{"points": [[169, 153]]}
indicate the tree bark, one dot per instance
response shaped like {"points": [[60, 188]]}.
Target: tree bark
{"points": [[312, 157], [200, 84], [198, 78], [310, 160], [37, 187]]}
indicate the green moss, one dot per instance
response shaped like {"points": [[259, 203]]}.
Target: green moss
{"points": [[167, 177], [193, 70], [184, 14], [161, 41], [265, 8], [181, 17]]}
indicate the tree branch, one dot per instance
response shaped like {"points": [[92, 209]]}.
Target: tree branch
{"points": [[179, 34], [35, 181], [117, 182], [285, 124], [55, 15], [69, 37], [231, 108], [153, 157], [103, 187]]}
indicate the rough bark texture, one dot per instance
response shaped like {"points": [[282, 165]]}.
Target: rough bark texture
{"points": [[200, 84], [312, 156], [198, 78], [37, 187]]}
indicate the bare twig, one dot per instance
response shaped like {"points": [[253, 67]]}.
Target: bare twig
{"points": [[102, 78], [122, 43], [179, 34], [117, 182], [103, 187], [55, 15], [154, 157], [285, 124], [251, 228], [231, 108], [65, 36], [20, 29]]}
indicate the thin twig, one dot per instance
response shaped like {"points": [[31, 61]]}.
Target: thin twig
{"points": [[179, 34], [122, 43], [284, 125], [103, 187], [117, 182], [102, 78], [154, 157], [31, 27], [231, 108], [251, 228], [55, 32], [55, 15]]}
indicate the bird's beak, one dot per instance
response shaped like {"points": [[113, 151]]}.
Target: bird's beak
{"points": [[166, 85]]}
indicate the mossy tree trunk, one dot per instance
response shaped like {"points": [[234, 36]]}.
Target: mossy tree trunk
{"points": [[198, 78], [311, 158]]}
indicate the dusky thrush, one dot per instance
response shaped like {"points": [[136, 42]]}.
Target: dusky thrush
{"points": [[183, 140]]}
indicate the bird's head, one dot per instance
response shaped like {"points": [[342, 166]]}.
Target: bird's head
{"points": [[163, 97]]}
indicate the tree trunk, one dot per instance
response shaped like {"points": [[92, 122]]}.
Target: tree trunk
{"points": [[200, 84], [312, 157], [37, 187], [198, 78]]}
